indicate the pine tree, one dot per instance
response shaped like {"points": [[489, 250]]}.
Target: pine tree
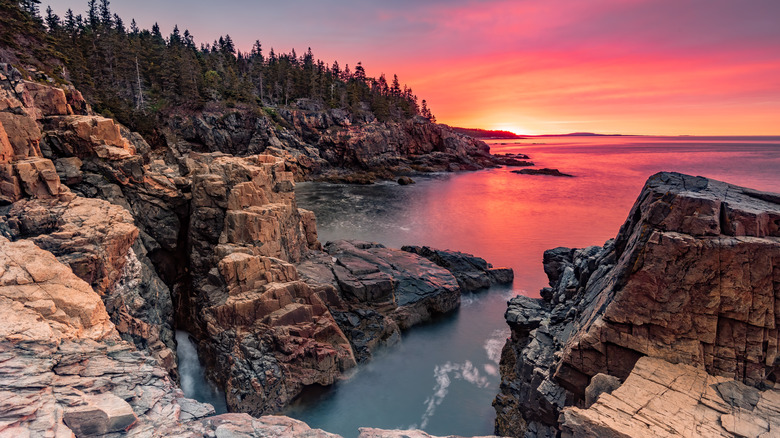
{"points": [[105, 14], [32, 8], [92, 14], [52, 21]]}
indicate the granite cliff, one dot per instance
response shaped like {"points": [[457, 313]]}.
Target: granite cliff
{"points": [[681, 308]]}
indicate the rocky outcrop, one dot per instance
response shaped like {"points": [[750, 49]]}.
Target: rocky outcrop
{"points": [[383, 291], [266, 334], [544, 171], [65, 369], [692, 278], [97, 240], [331, 144], [659, 399], [472, 272], [386, 290], [273, 335]]}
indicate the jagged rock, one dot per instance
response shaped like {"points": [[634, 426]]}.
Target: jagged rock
{"points": [[660, 399], [385, 289], [269, 312], [23, 134], [691, 278], [87, 136], [95, 239], [49, 100], [90, 235], [472, 272], [266, 334], [43, 300], [34, 177], [402, 285]]}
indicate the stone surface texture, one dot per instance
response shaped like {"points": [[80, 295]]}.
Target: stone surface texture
{"points": [[693, 277], [382, 290], [472, 272], [659, 399], [65, 371]]}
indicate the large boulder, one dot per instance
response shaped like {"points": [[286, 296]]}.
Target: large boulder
{"points": [[691, 278]]}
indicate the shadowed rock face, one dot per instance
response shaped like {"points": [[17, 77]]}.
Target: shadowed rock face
{"points": [[334, 144], [473, 273], [692, 277]]}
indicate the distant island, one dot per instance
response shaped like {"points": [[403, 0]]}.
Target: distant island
{"points": [[581, 134], [487, 133]]}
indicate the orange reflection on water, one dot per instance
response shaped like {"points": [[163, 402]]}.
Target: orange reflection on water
{"points": [[511, 219]]}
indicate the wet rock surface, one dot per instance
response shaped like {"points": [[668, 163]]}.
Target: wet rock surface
{"points": [[692, 278]]}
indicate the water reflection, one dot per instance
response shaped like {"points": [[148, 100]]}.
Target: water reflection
{"points": [[443, 376]]}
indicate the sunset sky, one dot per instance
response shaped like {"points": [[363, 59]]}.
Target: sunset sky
{"points": [[528, 66]]}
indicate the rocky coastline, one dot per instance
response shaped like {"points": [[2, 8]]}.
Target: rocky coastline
{"points": [[331, 144], [107, 244], [676, 317]]}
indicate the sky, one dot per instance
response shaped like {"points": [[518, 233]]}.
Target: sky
{"points": [[665, 67]]}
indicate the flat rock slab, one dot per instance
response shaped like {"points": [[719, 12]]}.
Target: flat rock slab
{"points": [[660, 399], [103, 413]]}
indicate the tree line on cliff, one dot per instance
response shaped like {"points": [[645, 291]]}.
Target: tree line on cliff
{"points": [[137, 75]]}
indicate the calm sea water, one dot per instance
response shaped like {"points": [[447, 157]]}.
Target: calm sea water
{"points": [[443, 376]]}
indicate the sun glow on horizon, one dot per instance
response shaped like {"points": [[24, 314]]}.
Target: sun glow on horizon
{"points": [[514, 129]]}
